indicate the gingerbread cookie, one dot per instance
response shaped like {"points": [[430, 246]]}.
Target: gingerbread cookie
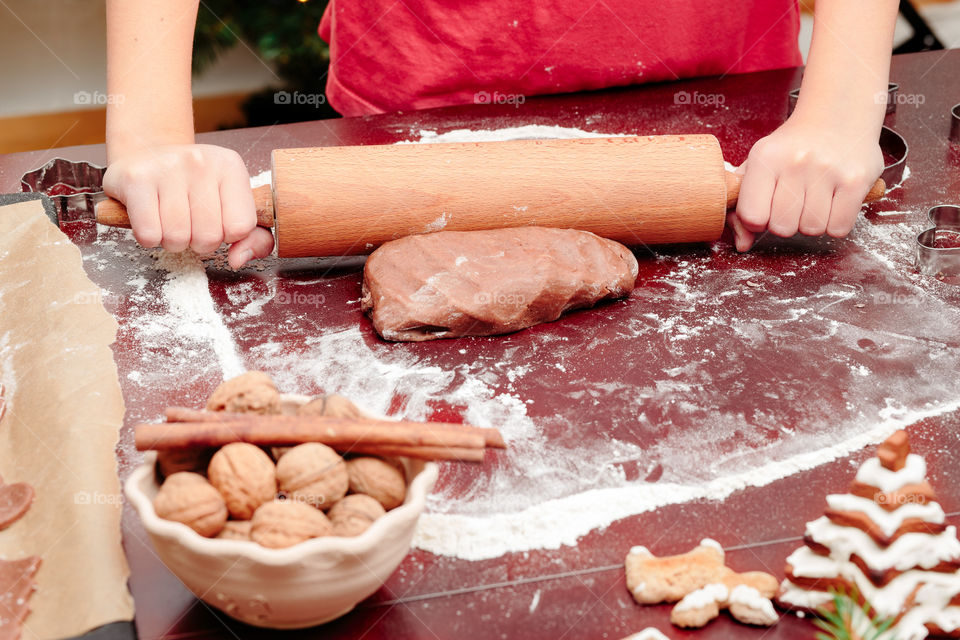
{"points": [[886, 540], [701, 585], [650, 633]]}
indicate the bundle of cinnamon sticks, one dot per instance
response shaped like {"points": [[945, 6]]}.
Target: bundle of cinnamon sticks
{"points": [[189, 428]]}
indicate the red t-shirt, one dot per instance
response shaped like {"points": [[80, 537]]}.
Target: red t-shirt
{"points": [[388, 55]]}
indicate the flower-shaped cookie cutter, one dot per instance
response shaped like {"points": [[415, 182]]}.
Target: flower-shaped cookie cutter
{"points": [[75, 188], [938, 248]]}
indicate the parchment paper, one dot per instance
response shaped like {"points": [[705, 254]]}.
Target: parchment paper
{"points": [[64, 411]]}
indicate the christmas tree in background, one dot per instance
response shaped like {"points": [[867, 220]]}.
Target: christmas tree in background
{"points": [[283, 33]]}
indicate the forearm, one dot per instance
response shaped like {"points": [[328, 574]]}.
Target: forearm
{"points": [[849, 63], [149, 48]]}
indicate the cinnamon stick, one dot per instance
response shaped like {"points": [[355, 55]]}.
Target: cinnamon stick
{"points": [[491, 437], [294, 430], [423, 453]]}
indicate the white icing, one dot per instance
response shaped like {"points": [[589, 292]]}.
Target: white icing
{"points": [[930, 605], [888, 521], [640, 551], [933, 590], [647, 634], [638, 590], [906, 552], [710, 542], [796, 596], [875, 474], [749, 597], [700, 598], [807, 564], [888, 600]]}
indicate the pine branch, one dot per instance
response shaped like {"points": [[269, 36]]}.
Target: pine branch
{"points": [[850, 620]]}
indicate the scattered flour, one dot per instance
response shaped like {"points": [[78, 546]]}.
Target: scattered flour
{"points": [[189, 316], [563, 521], [261, 179], [437, 225], [7, 370], [525, 132], [543, 493]]}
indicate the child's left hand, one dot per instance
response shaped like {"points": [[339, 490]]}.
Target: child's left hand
{"points": [[808, 176]]}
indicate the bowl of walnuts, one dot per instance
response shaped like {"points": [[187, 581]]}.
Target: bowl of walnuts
{"points": [[279, 537]]}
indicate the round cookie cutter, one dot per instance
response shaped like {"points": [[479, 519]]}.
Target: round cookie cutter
{"points": [[893, 145], [74, 188], [955, 123], [892, 89], [942, 260]]}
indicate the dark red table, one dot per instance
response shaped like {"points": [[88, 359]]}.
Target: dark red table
{"points": [[717, 364]]}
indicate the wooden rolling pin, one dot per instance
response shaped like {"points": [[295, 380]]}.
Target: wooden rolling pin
{"points": [[332, 201]]}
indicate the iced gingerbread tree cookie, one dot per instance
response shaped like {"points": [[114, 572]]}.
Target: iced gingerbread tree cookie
{"points": [[887, 541]]}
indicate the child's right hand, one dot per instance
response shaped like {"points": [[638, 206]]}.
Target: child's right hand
{"points": [[193, 195]]}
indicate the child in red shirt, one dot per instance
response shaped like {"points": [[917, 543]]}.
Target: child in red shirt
{"points": [[418, 54], [809, 176]]}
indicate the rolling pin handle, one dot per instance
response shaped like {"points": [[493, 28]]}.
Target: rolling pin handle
{"points": [[112, 213], [734, 180]]}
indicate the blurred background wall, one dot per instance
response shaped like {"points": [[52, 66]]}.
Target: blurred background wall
{"points": [[54, 53]]}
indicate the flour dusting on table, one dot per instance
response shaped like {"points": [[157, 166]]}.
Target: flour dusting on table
{"points": [[706, 325]]}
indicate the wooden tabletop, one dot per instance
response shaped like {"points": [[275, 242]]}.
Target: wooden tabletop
{"points": [[718, 364]]}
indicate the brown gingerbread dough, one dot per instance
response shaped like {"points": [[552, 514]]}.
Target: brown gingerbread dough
{"points": [[477, 283], [15, 500], [16, 585]]}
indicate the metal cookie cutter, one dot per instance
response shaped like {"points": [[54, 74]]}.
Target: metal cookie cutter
{"points": [[892, 89], [893, 145], [955, 123], [75, 188], [895, 150], [938, 248]]}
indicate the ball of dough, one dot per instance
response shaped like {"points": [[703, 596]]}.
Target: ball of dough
{"points": [[313, 473], [377, 478], [354, 514], [188, 498], [251, 392], [284, 523], [245, 476]]}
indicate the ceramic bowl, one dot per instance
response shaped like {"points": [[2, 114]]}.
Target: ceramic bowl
{"points": [[300, 586]]}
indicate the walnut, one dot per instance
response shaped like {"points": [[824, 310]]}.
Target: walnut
{"points": [[236, 530], [251, 392], [284, 523], [333, 406], [354, 514], [377, 478], [245, 476], [188, 498], [170, 461], [312, 473]]}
